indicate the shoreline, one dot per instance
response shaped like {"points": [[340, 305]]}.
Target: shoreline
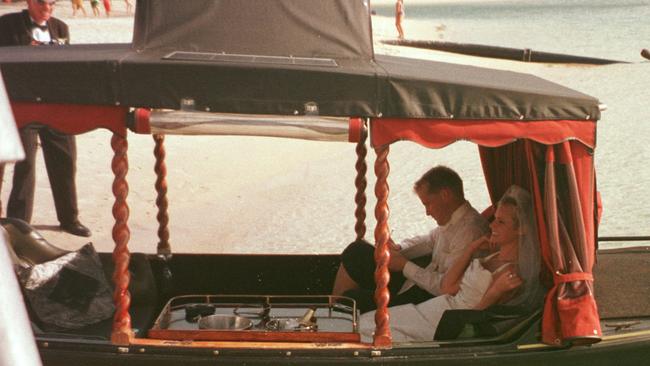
{"points": [[267, 195], [217, 201]]}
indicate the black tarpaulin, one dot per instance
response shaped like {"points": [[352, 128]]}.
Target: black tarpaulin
{"points": [[305, 28], [422, 89], [276, 66]]}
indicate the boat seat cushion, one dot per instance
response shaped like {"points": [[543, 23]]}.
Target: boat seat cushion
{"points": [[28, 249], [492, 322], [144, 301], [70, 291]]}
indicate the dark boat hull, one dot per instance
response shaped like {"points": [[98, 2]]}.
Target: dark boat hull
{"points": [[313, 274], [622, 353], [516, 54]]}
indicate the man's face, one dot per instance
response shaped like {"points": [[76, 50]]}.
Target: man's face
{"points": [[40, 10], [437, 205]]}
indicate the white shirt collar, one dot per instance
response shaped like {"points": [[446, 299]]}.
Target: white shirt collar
{"points": [[35, 22], [457, 215]]}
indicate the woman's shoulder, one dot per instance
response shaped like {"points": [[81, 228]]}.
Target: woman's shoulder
{"points": [[493, 264], [488, 257]]}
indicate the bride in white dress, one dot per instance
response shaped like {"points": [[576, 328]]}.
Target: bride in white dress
{"points": [[508, 276]]}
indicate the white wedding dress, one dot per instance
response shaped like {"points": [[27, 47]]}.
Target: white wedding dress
{"points": [[411, 322]]}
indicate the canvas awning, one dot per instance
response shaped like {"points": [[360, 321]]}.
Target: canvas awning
{"points": [[288, 57], [276, 57]]}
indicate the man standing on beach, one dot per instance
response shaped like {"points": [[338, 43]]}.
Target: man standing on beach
{"points": [[441, 192], [35, 26], [107, 7], [78, 5], [399, 17]]}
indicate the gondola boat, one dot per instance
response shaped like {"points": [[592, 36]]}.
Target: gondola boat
{"points": [[506, 53], [306, 69]]}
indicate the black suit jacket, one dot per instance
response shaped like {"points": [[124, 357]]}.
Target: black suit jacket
{"points": [[16, 30], [60, 150]]}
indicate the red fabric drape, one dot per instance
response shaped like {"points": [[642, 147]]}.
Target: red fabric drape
{"points": [[561, 179], [570, 311], [437, 133]]}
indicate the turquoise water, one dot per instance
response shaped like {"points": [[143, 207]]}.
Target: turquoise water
{"points": [[606, 29]]}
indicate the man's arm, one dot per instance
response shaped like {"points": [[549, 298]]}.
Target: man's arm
{"points": [[429, 278], [450, 282], [409, 249], [418, 246], [10, 28], [61, 31]]}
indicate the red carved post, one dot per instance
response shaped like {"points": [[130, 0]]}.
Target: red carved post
{"points": [[122, 332], [382, 337], [161, 201], [361, 183]]}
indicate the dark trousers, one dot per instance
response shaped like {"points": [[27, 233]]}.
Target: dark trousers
{"points": [[358, 261], [60, 155]]}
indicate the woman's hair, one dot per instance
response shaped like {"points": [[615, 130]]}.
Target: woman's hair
{"points": [[531, 292]]}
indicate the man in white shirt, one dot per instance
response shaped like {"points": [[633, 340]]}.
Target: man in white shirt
{"points": [[441, 192]]}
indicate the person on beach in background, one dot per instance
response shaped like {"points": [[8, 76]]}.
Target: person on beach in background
{"points": [[76, 6], [94, 4], [509, 276], [399, 17], [35, 26], [107, 7], [441, 192], [129, 7]]}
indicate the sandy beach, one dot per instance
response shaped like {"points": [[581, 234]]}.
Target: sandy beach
{"points": [[245, 194]]}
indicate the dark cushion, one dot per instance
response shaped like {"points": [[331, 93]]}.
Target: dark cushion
{"points": [[144, 300], [70, 291], [492, 322]]}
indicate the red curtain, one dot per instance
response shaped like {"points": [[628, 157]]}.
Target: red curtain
{"points": [[570, 312], [562, 180]]}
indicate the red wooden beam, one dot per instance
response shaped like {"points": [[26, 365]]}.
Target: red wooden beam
{"points": [[71, 119]]}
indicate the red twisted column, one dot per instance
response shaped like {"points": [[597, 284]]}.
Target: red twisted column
{"points": [[122, 332], [382, 337], [161, 201], [361, 183]]}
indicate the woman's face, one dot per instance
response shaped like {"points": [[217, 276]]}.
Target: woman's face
{"points": [[504, 227]]}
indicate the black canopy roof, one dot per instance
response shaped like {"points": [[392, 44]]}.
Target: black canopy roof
{"points": [[274, 57]]}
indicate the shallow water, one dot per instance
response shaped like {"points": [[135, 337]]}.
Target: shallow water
{"points": [[597, 28], [254, 195]]}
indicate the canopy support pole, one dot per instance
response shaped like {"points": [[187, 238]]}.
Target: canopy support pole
{"points": [[161, 201], [382, 337], [361, 183], [122, 333]]}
